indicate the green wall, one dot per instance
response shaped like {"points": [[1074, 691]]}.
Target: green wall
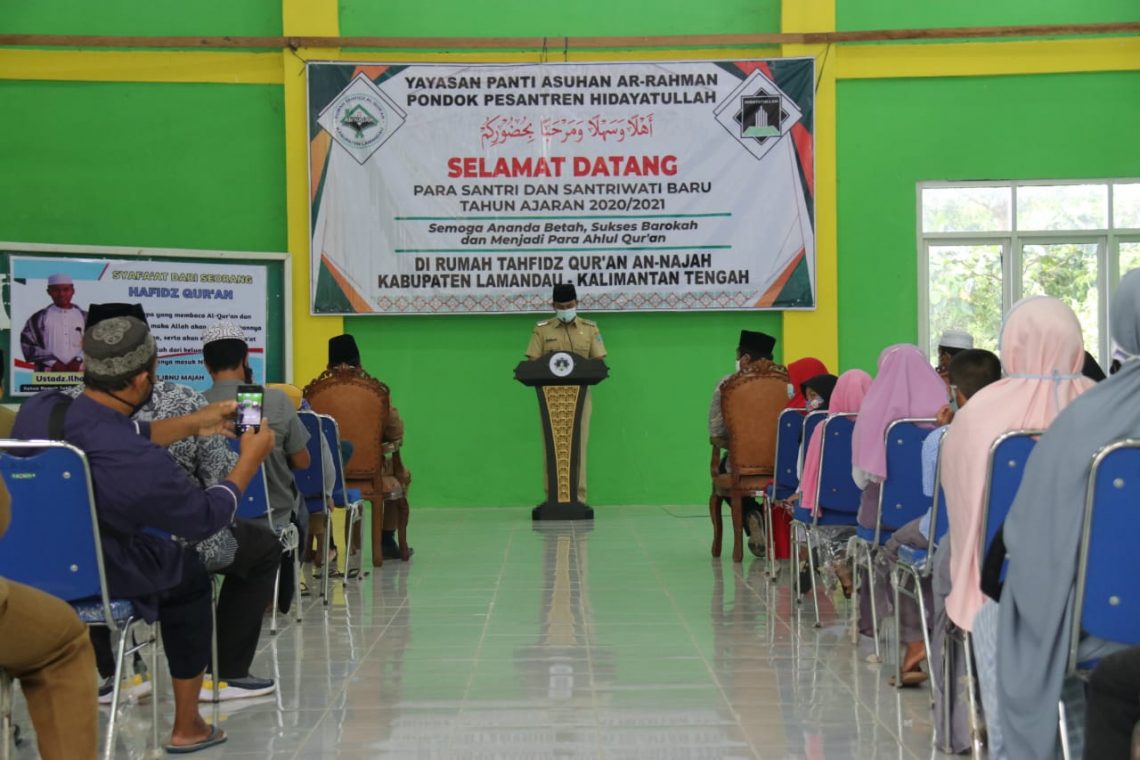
{"points": [[923, 14], [157, 165], [895, 133], [142, 17], [528, 18]]}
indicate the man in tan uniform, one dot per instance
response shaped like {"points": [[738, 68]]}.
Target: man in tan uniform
{"points": [[566, 331]]}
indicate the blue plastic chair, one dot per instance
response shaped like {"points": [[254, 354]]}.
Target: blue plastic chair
{"points": [[342, 497], [786, 477], [811, 422], [1008, 456], [254, 505], [53, 545], [1107, 601], [311, 480], [900, 500], [915, 563], [837, 496]]}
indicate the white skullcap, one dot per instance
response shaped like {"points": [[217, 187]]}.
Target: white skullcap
{"points": [[60, 279], [955, 338], [222, 331]]}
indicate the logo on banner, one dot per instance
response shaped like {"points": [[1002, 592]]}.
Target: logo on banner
{"points": [[361, 118], [758, 113]]}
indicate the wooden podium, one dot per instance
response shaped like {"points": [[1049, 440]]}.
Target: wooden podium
{"points": [[561, 380]]}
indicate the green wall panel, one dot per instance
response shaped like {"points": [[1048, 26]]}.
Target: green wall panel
{"points": [[506, 18], [473, 432], [907, 14], [144, 17], [895, 133], [162, 165]]}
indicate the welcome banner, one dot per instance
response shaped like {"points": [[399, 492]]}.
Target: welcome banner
{"points": [[476, 188]]}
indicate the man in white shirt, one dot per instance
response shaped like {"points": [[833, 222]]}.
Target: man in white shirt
{"points": [[52, 338]]}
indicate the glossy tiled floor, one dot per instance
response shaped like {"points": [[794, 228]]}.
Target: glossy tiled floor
{"points": [[620, 639]]}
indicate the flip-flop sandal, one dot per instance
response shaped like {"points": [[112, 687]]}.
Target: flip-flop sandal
{"points": [[911, 678], [216, 737]]}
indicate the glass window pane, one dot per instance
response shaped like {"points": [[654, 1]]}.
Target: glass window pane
{"points": [[965, 292], [1068, 272], [1126, 206], [966, 209], [1129, 256], [1062, 207]]}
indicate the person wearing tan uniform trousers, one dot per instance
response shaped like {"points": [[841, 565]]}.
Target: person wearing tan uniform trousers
{"points": [[45, 646], [567, 331]]}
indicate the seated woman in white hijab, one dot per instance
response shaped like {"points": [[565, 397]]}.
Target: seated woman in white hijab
{"points": [[1042, 352], [1042, 534]]}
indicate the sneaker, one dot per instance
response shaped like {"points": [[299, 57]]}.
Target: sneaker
{"points": [[138, 688], [236, 688], [756, 540]]}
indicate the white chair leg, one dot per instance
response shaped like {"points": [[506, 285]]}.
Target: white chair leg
{"points": [[154, 687], [109, 748], [896, 580], [276, 592], [326, 551], [871, 590], [925, 632], [1063, 730], [793, 564], [769, 539], [812, 578], [972, 692], [297, 577], [5, 715], [856, 589], [216, 676], [947, 679]]}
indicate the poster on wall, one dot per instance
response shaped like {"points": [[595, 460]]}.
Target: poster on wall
{"points": [[440, 188], [50, 298]]}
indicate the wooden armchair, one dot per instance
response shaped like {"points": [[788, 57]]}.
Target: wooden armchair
{"points": [[751, 402], [361, 405]]}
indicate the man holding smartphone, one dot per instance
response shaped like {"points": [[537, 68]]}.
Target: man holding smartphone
{"points": [[226, 355], [132, 474]]}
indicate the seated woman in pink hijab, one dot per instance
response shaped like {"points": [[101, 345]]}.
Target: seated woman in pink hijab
{"points": [[846, 398], [906, 386], [1041, 352]]}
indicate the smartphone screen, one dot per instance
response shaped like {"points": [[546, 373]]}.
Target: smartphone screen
{"points": [[250, 399]]}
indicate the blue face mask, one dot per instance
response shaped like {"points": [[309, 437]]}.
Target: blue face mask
{"points": [[566, 315], [954, 398]]}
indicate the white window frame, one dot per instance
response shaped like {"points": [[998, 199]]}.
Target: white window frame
{"points": [[1108, 242]]}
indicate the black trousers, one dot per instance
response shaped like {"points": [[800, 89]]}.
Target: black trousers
{"points": [[1113, 706], [184, 614], [246, 591]]}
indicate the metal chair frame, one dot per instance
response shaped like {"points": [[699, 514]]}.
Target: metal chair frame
{"points": [[809, 529], [122, 627], [866, 550], [354, 507], [920, 572], [786, 424], [1074, 667], [962, 637]]}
